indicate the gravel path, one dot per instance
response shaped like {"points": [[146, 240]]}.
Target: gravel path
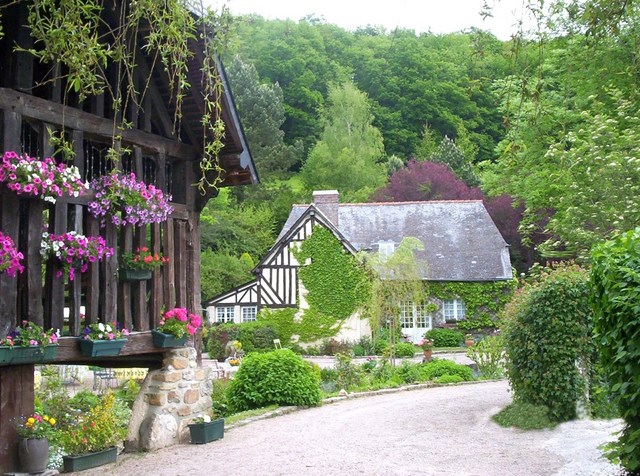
{"points": [[433, 431]]}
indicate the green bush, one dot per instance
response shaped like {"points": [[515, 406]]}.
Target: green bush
{"points": [[349, 375], [407, 372], [550, 333], [488, 355], [405, 349], [439, 367], [219, 397], [615, 294], [380, 346], [448, 378], [445, 337], [525, 416], [328, 374], [278, 377], [254, 336], [334, 347]]}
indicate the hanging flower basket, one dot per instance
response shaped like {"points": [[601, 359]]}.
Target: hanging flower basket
{"points": [[101, 348], [10, 257], [129, 275], [27, 355], [74, 251], [90, 460], [28, 343], [160, 339]]}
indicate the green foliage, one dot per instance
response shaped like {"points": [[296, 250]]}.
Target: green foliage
{"points": [[407, 372], [254, 336], [550, 335], [488, 355], [334, 347], [348, 374], [221, 271], [220, 402], [439, 367], [483, 301], [615, 294], [277, 377], [443, 337], [525, 416], [404, 349], [448, 378], [128, 392]]}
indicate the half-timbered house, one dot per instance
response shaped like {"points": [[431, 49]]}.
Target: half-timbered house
{"points": [[36, 103], [461, 244]]}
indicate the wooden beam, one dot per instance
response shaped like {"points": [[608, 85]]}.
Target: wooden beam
{"points": [[47, 111], [16, 399]]}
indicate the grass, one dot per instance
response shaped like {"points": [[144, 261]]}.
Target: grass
{"points": [[525, 416], [236, 417]]}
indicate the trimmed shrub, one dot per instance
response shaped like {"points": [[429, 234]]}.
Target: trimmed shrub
{"points": [[278, 377], [615, 294], [445, 337], [439, 367], [550, 333], [448, 378], [254, 336], [525, 416], [405, 349]]}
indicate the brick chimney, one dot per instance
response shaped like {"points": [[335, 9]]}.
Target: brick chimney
{"points": [[327, 202]]}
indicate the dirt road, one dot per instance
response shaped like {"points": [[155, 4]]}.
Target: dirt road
{"points": [[436, 431]]}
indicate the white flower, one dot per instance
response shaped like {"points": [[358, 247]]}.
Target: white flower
{"points": [[101, 326], [108, 328]]}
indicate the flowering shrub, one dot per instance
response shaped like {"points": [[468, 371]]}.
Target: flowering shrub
{"points": [[45, 178], [74, 250], [101, 331], [9, 256], [426, 344], [29, 334], [143, 258], [126, 201], [36, 426], [179, 322], [95, 430]]}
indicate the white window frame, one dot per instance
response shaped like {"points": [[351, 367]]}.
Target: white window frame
{"points": [[414, 315], [385, 250], [249, 313], [225, 314], [454, 310]]}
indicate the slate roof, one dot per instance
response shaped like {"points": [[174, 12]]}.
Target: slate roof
{"points": [[460, 239]]}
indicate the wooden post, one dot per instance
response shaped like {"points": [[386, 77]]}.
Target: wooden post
{"points": [[16, 399]]}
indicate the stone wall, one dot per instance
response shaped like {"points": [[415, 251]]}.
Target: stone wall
{"points": [[169, 399]]}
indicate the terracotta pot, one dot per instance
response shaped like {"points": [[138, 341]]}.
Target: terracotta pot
{"points": [[469, 342], [427, 355]]}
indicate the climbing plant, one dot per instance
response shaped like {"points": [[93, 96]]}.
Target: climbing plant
{"points": [[483, 300], [73, 37]]}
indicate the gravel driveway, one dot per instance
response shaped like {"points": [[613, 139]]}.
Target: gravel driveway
{"points": [[433, 431]]}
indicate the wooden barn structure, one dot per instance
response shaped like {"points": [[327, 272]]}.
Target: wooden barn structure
{"points": [[36, 104]]}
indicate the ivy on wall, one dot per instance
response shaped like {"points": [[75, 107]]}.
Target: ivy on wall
{"points": [[483, 300], [336, 288]]}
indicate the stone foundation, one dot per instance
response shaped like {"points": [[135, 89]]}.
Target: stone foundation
{"points": [[169, 399]]}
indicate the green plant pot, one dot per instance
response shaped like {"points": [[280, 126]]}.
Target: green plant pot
{"points": [[160, 339], [134, 274], [27, 355], [101, 348], [90, 460], [202, 433]]}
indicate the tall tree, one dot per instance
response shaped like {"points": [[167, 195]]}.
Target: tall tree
{"points": [[349, 155]]}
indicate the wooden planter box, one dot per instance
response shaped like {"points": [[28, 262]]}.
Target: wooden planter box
{"points": [[134, 274], [160, 339], [202, 433], [101, 348], [27, 355], [90, 460]]}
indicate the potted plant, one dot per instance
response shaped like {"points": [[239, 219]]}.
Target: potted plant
{"points": [[125, 201], [10, 257], [103, 339], [138, 265], [92, 440], [468, 340], [33, 447], [175, 327], [204, 430], [427, 349], [74, 251], [28, 343], [45, 179]]}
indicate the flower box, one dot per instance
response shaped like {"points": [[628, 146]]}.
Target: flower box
{"points": [[101, 348], [129, 274], [160, 339], [202, 433], [27, 355], [90, 460]]}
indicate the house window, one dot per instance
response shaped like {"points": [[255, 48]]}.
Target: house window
{"points": [[423, 318], [225, 314], [454, 310], [414, 317], [406, 314], [248, 314], [385, 250]]}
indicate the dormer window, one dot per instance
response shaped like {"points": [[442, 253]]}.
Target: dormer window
{"points": [[385, 250]]}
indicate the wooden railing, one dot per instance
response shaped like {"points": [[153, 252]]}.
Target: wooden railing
{"points": [[38, 295]]}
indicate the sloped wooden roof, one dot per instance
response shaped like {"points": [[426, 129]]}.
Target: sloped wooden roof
{"points": [[461, 242]]}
